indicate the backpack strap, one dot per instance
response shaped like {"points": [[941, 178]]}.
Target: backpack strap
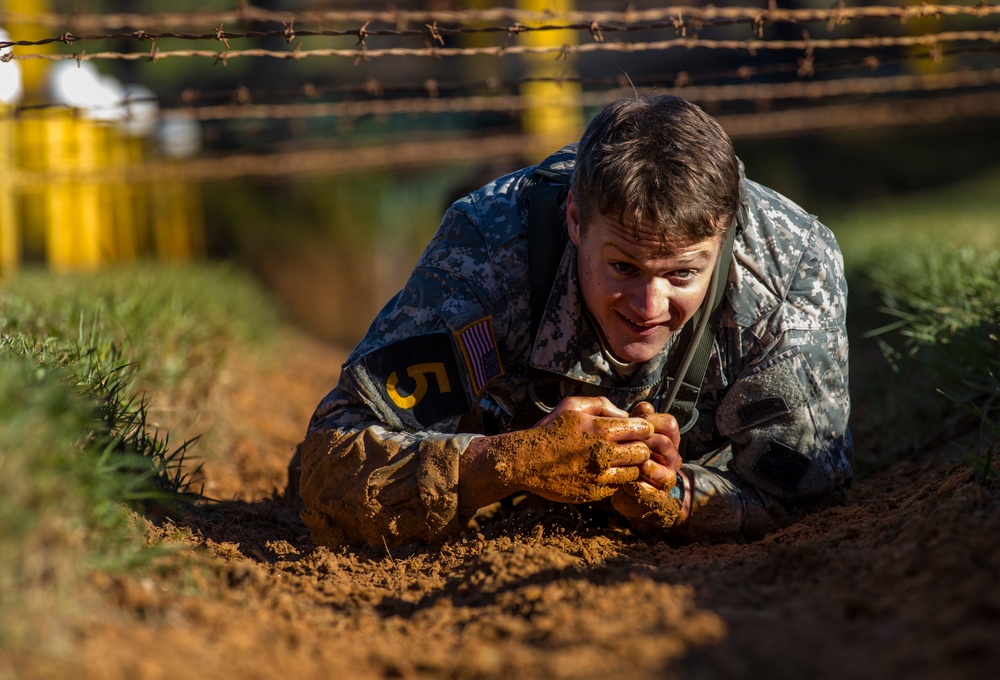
{"points": [[689, 362], [546, 236]]}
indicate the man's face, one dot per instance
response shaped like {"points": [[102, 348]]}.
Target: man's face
{"points": [[638, 292]]}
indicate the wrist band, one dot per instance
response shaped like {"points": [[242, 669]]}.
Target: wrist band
{"points": [[678, 489]]}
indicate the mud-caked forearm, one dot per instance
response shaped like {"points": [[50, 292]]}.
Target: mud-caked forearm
{"points": [[363, 482]]}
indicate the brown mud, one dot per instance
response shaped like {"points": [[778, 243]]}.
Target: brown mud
{"points": [[648, 510], [585, 456], [899, 583]]}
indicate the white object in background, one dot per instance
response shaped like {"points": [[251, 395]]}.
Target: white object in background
{"points": [[11, 85], [179, 137], [81, 86], [141, 110]]}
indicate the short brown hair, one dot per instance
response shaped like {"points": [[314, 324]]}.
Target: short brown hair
{"points": [[658, 160]]}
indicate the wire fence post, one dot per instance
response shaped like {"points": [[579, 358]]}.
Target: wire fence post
{"points": [[552, 116]]}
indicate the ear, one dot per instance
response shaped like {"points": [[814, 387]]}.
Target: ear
{"points": [[573, 220]]}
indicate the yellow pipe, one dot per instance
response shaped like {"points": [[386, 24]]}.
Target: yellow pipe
{"points": [[552, 116]]}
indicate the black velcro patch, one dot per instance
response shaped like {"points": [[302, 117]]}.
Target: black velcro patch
{"points": [[419, 379], [758, 410], [782, 465]]}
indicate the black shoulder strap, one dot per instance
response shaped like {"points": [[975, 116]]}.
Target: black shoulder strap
{"points": [[546, 236], [689, 361]]}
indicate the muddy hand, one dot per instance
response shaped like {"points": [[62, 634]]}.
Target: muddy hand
{"points": [[664, 461], [648, 508], [580, 452]]}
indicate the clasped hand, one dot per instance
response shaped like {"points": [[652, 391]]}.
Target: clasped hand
{"points": [[586, 449]]}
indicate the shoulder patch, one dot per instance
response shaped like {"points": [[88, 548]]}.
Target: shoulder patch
{"points": [[762, 409], [479, 347], [782, 465], [419, 379]]}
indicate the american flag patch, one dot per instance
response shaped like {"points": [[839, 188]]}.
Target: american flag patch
{"points": [[479, 346]]}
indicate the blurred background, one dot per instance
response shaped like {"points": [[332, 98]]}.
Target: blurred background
{"points": [[318, 143]]}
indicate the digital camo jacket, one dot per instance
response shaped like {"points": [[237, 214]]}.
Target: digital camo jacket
{"points": [[381, 456]]}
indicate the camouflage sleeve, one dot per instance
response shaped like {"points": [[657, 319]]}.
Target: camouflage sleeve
{"points": [[364, 481], [786, 413], [380, 459]]}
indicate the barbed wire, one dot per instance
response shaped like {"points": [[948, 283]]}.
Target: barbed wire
{"points": [[433, 87], [838, 14], [403, 101], [807, 44], [918, 112], [493, 84], [704, 94], [436, 34], [431, 33], [423, 154]]}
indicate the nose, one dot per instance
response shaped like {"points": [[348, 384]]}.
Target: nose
{"points": [[650, 300]]}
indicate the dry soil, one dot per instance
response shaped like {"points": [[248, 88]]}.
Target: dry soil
{"points": [[900, 583]]}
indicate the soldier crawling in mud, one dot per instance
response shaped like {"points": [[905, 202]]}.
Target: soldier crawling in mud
{"points": [[631, 322]]}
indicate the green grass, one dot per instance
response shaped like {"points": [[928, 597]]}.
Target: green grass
{"points": [[944, 341], [168, 318], [924, 274], [873, 236], [76, 452]]}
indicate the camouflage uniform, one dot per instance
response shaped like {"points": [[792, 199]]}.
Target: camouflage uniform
{"points": [[380, 459]]}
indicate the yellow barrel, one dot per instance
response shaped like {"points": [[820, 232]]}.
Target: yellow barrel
{"points": [[90, 243], [177, 221], [62, 204], [121, 216], [10, 245], [30, 151], [59, 195]]}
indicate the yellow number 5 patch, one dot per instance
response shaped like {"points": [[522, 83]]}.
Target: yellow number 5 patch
{"points": [[419, 373]]}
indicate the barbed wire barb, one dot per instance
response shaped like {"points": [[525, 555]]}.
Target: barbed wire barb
{"points": [[752, 47]]}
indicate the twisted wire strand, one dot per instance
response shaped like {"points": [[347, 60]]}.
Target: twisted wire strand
{"points": [[509, 147], [702, 94], [753, 46], [246, 13]]}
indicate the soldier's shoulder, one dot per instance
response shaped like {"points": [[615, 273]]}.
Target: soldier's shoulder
{"points": [[775, 212], [777, 233], [778, 230]]}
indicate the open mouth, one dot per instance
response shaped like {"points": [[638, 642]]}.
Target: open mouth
{"points": [[639, 327]]}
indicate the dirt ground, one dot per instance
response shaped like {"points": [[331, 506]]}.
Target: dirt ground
{"points": [[900, 583]]}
